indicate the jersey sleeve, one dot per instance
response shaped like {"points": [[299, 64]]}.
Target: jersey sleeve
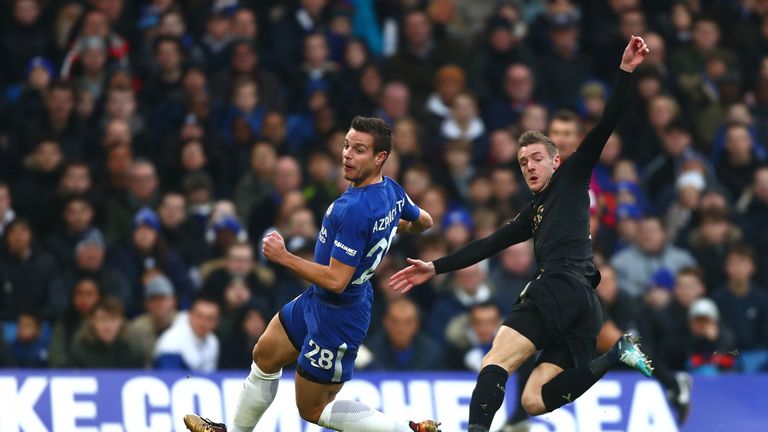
{"points": [[410, 211], [516, 231], [588, 153], [351, 235]]}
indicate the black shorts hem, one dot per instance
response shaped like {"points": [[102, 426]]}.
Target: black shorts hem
{"points": [[528, 322], [309, 377], [285, 327]]}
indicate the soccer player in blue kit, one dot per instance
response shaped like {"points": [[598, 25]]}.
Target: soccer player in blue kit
{"points": [[324, 327]]}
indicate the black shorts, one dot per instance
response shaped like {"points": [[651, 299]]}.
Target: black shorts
{"points": [[561, 315]]}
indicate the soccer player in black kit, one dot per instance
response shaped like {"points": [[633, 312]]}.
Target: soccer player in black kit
{"points": [[558, 312]]}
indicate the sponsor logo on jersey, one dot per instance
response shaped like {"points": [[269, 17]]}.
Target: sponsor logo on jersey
{"points": [[351, 252], [330, 208]]}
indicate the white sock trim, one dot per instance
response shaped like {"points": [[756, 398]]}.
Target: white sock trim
{"points": [[325, 416], [257, 373]]}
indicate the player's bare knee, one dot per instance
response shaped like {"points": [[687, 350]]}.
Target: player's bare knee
{"points": [[264, 359], [533, 403]]}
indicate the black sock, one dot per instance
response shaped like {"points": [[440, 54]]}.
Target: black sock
{"points": [[572, 383], [487, 397]]}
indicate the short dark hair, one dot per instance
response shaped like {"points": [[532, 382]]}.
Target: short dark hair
{"points": [[536, 137], [741, 250], [485, 304], [382, 134], [566, 115], [111, 305], [696, 272]]}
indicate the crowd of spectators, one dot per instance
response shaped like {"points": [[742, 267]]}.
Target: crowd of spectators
{"points": [[147, 146]]}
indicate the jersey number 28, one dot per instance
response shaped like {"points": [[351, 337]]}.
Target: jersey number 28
{"points": [[326, 358]]}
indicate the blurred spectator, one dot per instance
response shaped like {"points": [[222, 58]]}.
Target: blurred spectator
{"points": [[421, 54], [93, 61], [286, 177], [681, 213], [566, 67], [470, 336], [95, 23], [566, 131], [505, 45], [651, 251], [255, 184], [190, 344], [711, 346], [148, 250], [621, 313], [240, 268], [739, 163], [514, 269], [401, 345], [457, 228], [709, 243], [27, 98], [160, 312], [181, 232], [395, 102], [321, 189], [58, 123], [78, 217], [142, 191], [317, 71], [103, 343], [458, 160], [245, 63], [668, 327], [504, 110], [468, 287], [662, 170], [503, 148], [122, 104], [30, 348], [293, 26], [464, 123], [215, 40], [450, 82], [743, 304], [250, 321], [85, 296], [89, 261], [24, 38], [25, 271], [35, 192]]}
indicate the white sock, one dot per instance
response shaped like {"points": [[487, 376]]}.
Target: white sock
{"points": [[259, 390], [354, 416]]}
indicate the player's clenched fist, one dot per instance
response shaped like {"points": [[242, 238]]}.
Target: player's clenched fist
{"points": [[273, 247]]}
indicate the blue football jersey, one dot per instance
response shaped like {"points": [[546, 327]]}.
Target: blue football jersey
{"points": [[358, 229]]}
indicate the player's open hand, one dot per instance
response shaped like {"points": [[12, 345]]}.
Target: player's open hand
{"points": [[273, 247], [634, 53], [416, 273]]}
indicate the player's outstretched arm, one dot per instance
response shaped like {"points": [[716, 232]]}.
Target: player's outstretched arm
{"points": [[418, 272], [423, 223], [334, 277], [595, 140]]}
